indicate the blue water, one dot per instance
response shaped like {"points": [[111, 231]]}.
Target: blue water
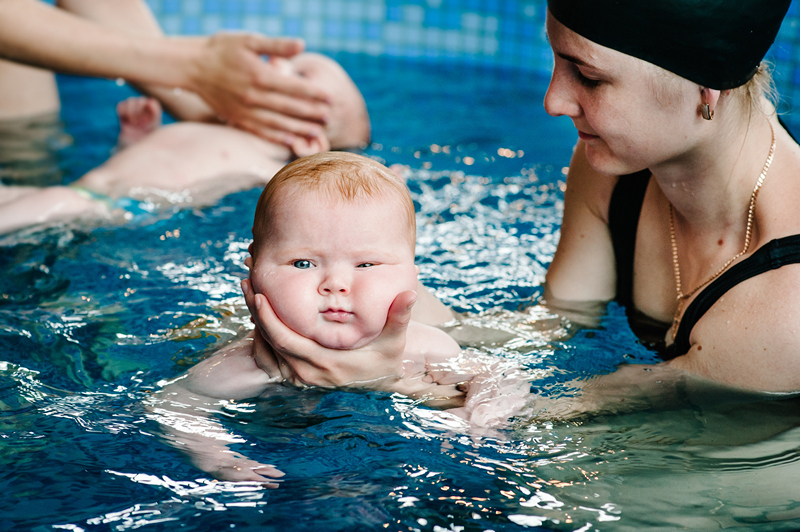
{"points": [[91, 322]]}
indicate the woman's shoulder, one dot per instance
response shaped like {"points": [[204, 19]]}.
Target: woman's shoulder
{"points": [[749, 337]]}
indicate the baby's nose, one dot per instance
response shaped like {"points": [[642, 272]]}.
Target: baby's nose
{"points": [[334, 284]]}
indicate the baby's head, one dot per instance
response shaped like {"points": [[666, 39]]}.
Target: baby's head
{"points": [[333, 246], [348, 125]]}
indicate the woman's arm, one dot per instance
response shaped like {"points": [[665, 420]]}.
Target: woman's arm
{"points": [[583, 268], [225, 70], [135, 18]]}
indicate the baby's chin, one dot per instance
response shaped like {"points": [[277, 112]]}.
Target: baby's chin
{"points": [[344, 342]]}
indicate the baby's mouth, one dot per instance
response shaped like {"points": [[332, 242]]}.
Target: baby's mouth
{"points": [[337, 315]]}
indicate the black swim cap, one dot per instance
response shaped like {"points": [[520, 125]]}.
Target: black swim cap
{"points": [[715, 43]]}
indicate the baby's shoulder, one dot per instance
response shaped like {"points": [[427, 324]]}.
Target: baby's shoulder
{"points": [[232, 372]]}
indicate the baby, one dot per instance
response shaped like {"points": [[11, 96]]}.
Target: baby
{"points": [[333, 246], [187, 162]]}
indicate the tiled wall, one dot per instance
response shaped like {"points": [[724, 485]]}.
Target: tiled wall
{"points": [[488, 32], [503, 33]]}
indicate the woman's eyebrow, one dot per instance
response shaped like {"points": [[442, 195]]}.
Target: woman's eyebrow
{"points": [[573, 59]]}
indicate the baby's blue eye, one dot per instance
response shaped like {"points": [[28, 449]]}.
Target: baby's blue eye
{"points": [[366, 265], [303, 264]]}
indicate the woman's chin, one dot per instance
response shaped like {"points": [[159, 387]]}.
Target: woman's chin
{"points": [[604, 162]]}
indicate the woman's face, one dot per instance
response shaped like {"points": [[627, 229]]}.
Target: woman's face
{"points": [[628, 113]]}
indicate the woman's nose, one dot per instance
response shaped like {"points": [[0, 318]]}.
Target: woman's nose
{"points": [[559, 100]]}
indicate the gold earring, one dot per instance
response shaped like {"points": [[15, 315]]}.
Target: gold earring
{"points": [[706, 111]]}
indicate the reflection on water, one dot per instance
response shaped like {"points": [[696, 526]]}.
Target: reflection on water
{"points": [[91, 323], [29, 150]]}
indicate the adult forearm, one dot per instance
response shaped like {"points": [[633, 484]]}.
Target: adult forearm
{"points": [[133, 17], [37, 34], [127, 16]]}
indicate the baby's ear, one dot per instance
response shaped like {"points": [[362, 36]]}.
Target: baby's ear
{"points": [[302, 146], [416, 269]]}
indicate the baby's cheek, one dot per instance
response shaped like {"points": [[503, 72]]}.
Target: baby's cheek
{"points": [[264, 280]]}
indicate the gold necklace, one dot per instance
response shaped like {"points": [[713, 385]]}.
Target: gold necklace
{"points": [[680, 296]]}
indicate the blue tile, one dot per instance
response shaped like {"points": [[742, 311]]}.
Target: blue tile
{"points": [[529, 30], [512, 7], [252, 7], [509, 26], [433, 18], [191, 26], [232, 23], [293, 27], [170, 7], [232, 7], [453, 21], [272, 7], [394, 14], [354, 30], [211, 7], [374, 31], [333, 28]]}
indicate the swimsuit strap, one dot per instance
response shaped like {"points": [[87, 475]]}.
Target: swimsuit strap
{"points": [[92, 195], [132, 207], [770, 256], [624, 210]]}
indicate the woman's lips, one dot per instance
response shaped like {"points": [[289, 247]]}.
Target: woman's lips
{"points": [[586, 136]]}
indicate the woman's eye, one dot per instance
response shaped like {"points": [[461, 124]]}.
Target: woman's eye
{"points": [[366, 265], [302, 264], [589, 83]]}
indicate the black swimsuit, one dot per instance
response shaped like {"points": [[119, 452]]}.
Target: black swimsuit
{"points": [[624, 211]]}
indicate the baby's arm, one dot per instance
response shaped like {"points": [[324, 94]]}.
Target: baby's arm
{"points": [[183, 407]]}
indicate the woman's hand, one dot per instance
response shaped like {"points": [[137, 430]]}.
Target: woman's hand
{"points": [[251, 93], [304, 362]]}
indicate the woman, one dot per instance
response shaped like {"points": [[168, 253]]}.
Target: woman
{"points": [[709, 175], [668, 100]]}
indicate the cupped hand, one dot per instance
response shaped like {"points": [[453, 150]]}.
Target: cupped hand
{"points": [[235, 467], [253, 94], [303, 362]]}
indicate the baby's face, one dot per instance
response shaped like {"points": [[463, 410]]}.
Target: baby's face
{"points": [[332, 270]]}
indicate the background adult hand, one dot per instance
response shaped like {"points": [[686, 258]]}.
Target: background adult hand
{"points": [[304, 362], [249, 92]]}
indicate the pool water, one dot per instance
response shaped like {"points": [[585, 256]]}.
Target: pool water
{"points": [[91, 322]]}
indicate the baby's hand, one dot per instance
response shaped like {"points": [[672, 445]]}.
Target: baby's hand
{"points": [[234, 467], [495, 396]]}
